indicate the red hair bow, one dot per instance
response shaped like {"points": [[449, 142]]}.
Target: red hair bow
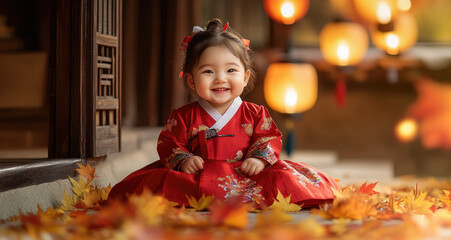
{"points": [[246, 43], [184, 44]]}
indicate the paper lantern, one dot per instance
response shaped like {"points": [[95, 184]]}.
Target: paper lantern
{"points": [[286, 11], [291, 88], [406, 130], [376, 11], [343, 43], [403, 37]]}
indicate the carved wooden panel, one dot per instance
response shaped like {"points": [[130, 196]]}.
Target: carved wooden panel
{"points": [[106, 77]]}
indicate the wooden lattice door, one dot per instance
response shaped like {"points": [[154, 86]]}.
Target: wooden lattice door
{"points": [[104, 114]]}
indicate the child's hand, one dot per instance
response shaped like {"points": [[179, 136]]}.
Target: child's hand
{"points": [[253, 166], [192, 165]]}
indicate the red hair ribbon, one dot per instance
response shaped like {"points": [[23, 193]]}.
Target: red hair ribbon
{"points": [[246, 43], [184, 44], [225, 26]]}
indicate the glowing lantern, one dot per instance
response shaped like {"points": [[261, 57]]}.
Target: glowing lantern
{"points": [[403, 37], [404, 5], [286, 11], [406, 130], [291, 88], [343, 43], [376, 11]]}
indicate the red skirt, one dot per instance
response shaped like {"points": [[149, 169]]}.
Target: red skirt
{"points": [[224, 180]]}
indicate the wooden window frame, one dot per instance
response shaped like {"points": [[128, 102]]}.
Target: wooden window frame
{"points": [[74, 102]]}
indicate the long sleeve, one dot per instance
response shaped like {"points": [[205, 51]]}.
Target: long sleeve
{"points": [[266, 138], [172, 142]]}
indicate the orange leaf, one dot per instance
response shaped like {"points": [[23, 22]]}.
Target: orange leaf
{"points": [[232, 213], [87, 171], [93, 197], [368, 189]]}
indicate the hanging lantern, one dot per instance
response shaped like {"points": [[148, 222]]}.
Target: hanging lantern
{"points": [[290, 87], [376, 11], [286, 11], [403, 36], [343, 43], [406, 130]]}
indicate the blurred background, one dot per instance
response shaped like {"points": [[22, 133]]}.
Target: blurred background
{"points": [[358, 103]]}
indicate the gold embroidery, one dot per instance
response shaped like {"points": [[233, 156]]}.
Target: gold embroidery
{"points": [[248, 129], [238, 157], [196, 130], [264, 139], [169, 124], [266, 125]]}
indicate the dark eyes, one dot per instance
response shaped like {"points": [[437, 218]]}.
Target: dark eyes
{"points": [[230, 71]]}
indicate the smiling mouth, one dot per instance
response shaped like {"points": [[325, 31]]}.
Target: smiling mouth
{"points": [[220, 89]]}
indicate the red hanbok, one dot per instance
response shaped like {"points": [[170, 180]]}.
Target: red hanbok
{"points": [[224, 142]]}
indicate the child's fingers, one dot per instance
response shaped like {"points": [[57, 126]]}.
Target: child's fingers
{"points": [[254, 170], [198, 163], [245, 167]]}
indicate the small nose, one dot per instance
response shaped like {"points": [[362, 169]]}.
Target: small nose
{"points": [[220, 77]]}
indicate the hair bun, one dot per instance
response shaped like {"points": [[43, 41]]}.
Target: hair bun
{"points": [[214, 25]]}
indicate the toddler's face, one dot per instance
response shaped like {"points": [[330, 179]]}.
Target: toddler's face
{"points": [[219, 77]]}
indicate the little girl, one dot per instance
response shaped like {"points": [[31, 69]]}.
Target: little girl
{"points": [[221, 145]]}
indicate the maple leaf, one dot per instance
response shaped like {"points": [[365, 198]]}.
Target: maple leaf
{"points": [[312, 228], [272, 217], [106, 191], [355, 206], [80, 187], [149, 207], [200, 204], [416, 202], [232, 213], [87, 171], [68, 202], [445, 199], [50, 214], [284, 204], [92, 197], [368, 189]]}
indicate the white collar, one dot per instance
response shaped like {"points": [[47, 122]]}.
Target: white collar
{"points": [[221, 120]]}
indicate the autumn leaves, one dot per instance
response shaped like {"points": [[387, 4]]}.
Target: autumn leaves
{"points": [[84, 215]]}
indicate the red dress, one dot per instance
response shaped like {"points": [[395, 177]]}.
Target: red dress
{"points": [[224, 142]]}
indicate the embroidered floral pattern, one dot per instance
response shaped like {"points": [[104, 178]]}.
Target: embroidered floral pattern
{"points": [[160, 142], [305, 175], [263, 151], [176, 156], [266, 125], [196, 130], [248, 129], [238, 157], [170, 123], [245, 187]]}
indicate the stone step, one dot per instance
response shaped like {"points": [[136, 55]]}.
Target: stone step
{"points": [[314, 158]]}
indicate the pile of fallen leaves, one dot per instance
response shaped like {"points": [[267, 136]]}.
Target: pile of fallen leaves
{"points": [[358, 212]]}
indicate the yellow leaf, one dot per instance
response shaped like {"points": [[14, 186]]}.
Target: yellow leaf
{"points": [[68, 202], [80, 187], [416, 202], [284, 204], [340, 226], [273, 217], [92, 197], [312, 227], [200, 204]]}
